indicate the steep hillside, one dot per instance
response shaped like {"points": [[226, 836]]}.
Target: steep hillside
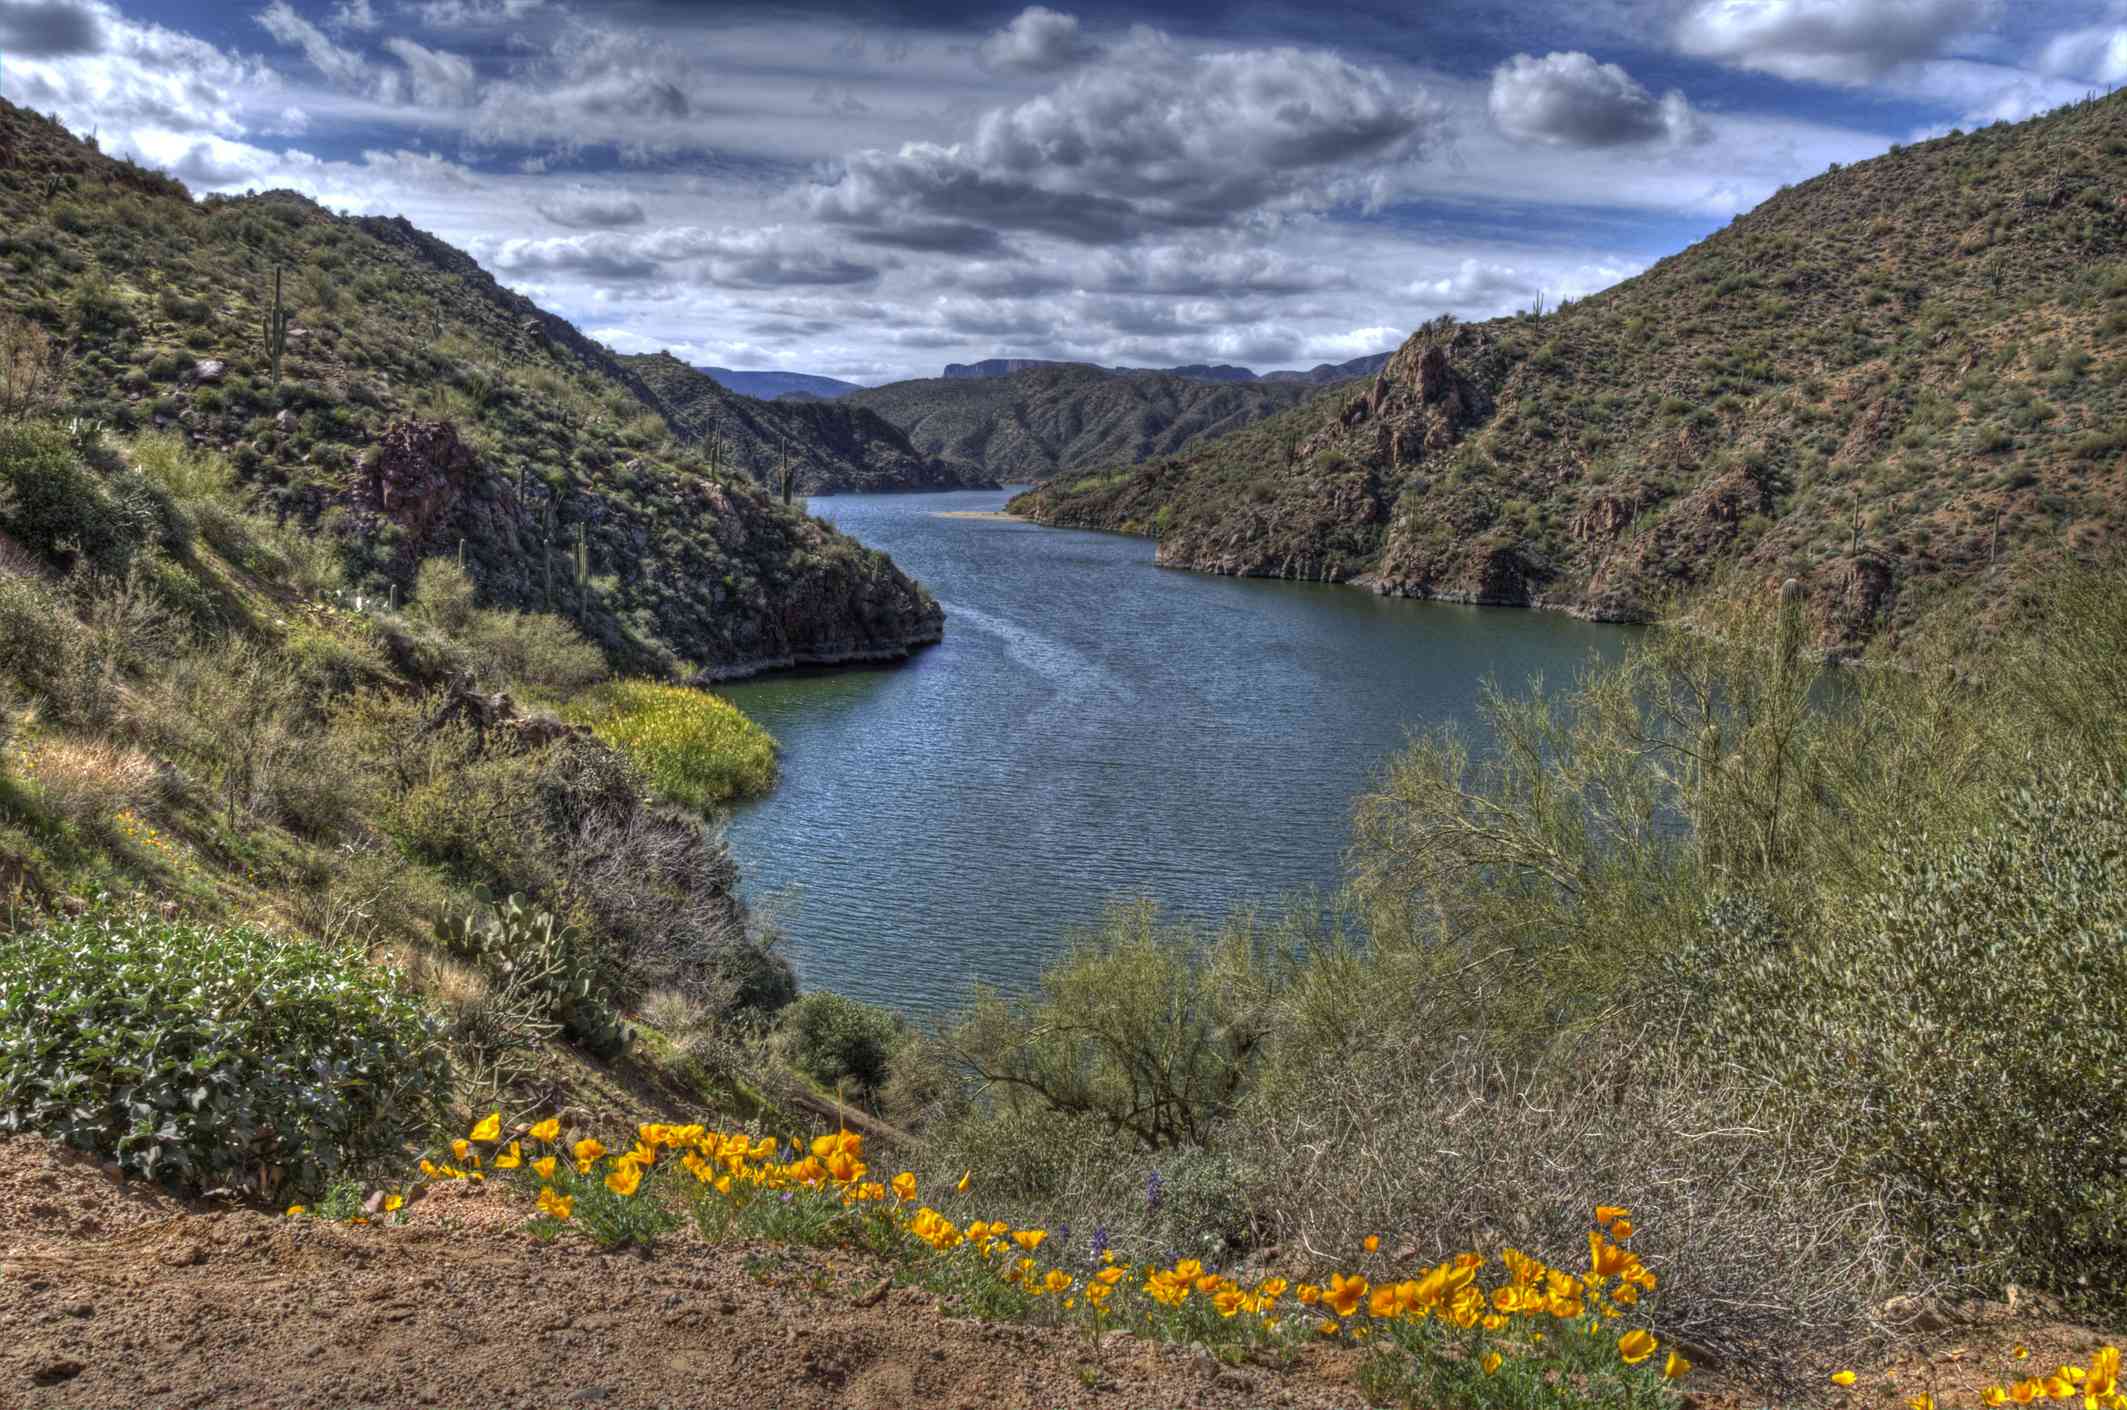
{"points": [[417, 408], [833, 446], [1900, 383], [1053, 420], [770, 385]]}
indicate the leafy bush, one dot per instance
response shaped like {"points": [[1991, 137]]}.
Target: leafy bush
{"points": [[53, 505], [837, 1040], [210, 1056], [187, 474], [1976, 998], [529, 649], [696, 749]]}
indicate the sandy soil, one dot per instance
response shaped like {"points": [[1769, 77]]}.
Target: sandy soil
{"points": [[117, 1295]]}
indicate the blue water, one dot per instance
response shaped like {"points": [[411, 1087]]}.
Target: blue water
{"points": [[1092, 727]]}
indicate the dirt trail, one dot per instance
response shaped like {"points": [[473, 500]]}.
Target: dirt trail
{"points": [[122, 1296]]}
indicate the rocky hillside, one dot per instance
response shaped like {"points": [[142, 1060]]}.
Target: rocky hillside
{"points": [[833, 446], [1900, 383], [418, 408], [1055, 420], [770, 385]]}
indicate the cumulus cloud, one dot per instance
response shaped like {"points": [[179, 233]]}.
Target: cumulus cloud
{"points": [[354, 14], [138, 77], [1570, 100], [48, 29], [762, 258], [586, 209], [1832, 41], [1040, 40], [1159, 140], [2096, 55]]}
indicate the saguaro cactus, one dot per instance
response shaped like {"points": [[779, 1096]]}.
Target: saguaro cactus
{"points": [[276, 328]]}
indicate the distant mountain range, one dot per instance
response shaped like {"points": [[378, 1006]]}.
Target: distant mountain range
{"points": [[1064, 418], [770, 385], [834, 447], [1320, 375]]}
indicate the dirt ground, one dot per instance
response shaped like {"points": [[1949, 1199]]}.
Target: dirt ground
{"points": [[121, 1296]]}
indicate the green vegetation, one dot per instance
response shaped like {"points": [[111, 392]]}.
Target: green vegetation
{"points": [[1897, 383], [695, 748], [1801, 958], [841, 1043], [383, 401], [204, 1053], [1046, 421]]}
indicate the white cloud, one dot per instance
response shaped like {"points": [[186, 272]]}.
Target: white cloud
{"points": [[1040, 40], [1568, 99], [343, 67], [1152, 139], [439, 80], [734, 257], [584, 208], [2096, 55], [1829, 41], [354, 14], [473, 14]]}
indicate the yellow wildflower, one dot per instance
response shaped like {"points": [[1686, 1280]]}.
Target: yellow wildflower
{"points": [[1675, 1368], [394, 1203], [510, 1159], [554, 1205], [961, 1186], [587, 1152], [1842, 1378], [545, 1166], [547, 1131], [1491, 1362], [294, 1209], [624, 1177], [905, 1186], [1030, 1239], [489, 1128], [1373, 1243], [1344, 1293], [1636, 1346], [1057, 1281]]}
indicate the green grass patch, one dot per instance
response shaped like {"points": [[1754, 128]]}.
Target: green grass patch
{"points": [[696, 749]]}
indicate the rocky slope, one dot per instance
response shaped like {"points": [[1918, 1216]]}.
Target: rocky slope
{"points": [[1899, 383], [419, 408], [835, 447], [1054, 420]]}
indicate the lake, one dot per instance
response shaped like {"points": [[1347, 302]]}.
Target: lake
{"points": [[1092, 727]]}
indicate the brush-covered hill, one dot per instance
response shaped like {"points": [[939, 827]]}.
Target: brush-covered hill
{"points": [[419, 406], [833, 446], [1054, 420], [1903, 383]]}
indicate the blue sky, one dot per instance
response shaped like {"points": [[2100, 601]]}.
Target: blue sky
{"points": [[869, 191]]}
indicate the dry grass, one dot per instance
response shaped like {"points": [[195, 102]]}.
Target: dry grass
{"points": [[88, 781]]}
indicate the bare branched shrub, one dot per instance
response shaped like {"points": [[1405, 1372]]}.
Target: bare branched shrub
{"points": [[30, 378]]}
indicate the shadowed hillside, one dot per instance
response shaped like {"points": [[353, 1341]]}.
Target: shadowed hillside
{"points": [[1899, 383], [834, 447]]}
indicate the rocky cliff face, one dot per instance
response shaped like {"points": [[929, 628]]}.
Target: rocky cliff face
{"points": [[686, 575]]}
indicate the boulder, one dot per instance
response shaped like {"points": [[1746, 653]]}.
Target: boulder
{"points": [[208, 371]]}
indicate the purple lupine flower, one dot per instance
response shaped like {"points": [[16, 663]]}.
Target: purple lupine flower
{"points": [[1063, 1234], [1152, 1191], [1100, 1245]]}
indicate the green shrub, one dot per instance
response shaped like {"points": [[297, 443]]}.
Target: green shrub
{"points": [[210, 1056], [53, 505], [1966, 1022], [697, 750], [187, 474], [837, 1041]]}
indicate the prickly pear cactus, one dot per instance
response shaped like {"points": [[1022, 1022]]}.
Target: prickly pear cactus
{"points": [[513, 940]]}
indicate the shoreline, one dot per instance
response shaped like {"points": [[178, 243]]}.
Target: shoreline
{"points": [[993, 514]]}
